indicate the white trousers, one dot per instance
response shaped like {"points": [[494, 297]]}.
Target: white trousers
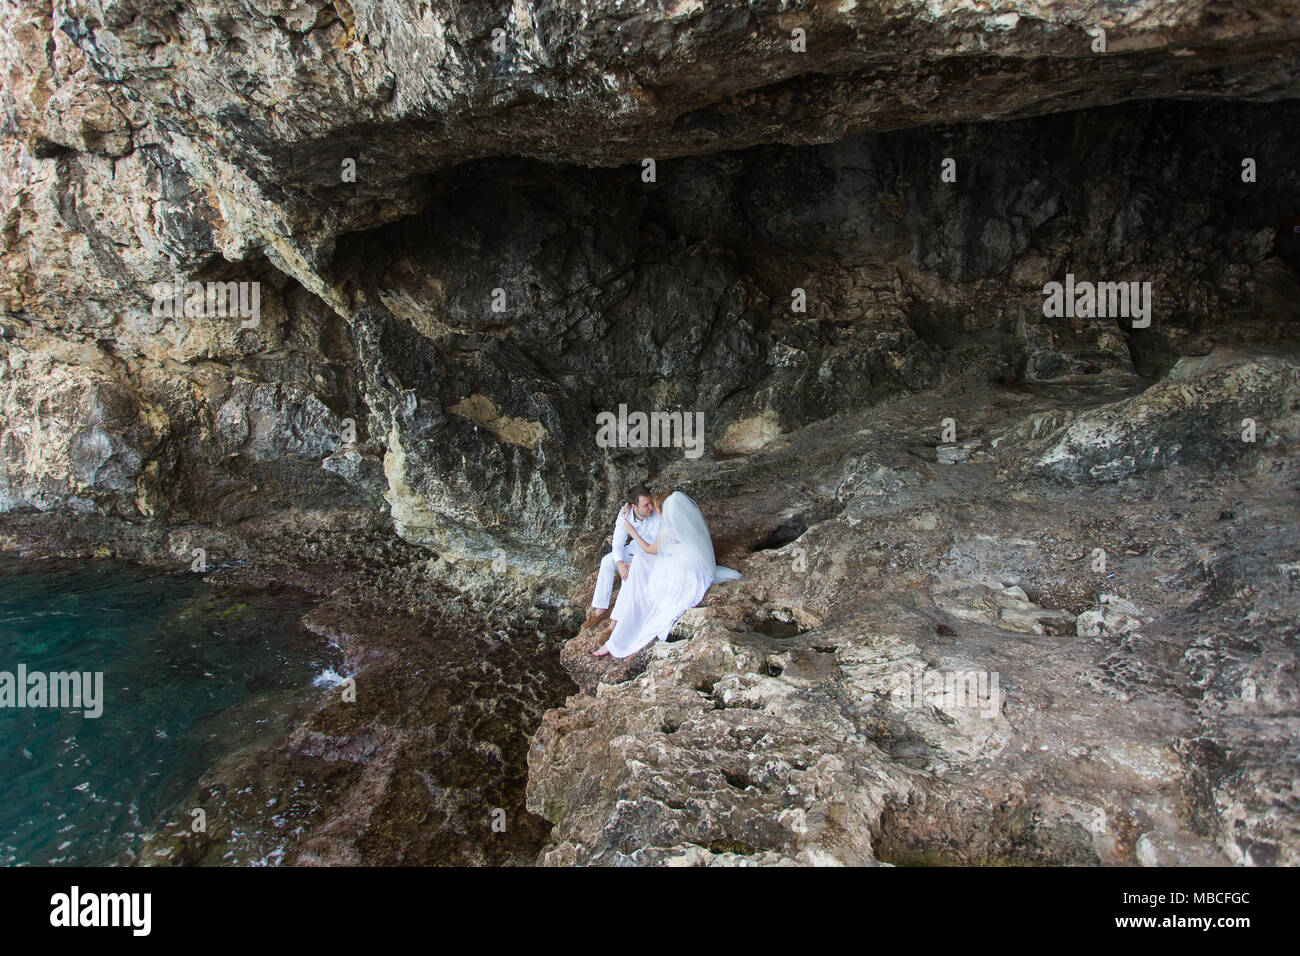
{"points": [[605, 579]]}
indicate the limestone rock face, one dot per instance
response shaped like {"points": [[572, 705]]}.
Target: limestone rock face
{"points": [[460, 259], [1211, 409], [147, 142], [973, 666], [475, 429], [270, 102], [85, 437]]}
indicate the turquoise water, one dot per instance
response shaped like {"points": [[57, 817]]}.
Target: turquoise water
{"points": [[191, 672]]}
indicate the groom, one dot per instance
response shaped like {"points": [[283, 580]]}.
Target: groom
{"points": [[640, 511]]}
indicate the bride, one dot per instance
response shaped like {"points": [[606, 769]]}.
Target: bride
{"points": [[671, 576]]}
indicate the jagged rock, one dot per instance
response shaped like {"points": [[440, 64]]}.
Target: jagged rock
{"points": [[590, 671], [1115, 617], [1106, 745], [680, 762], [1210, 410], [951, 454], [133, 158], [405, 88], [83, 437]]}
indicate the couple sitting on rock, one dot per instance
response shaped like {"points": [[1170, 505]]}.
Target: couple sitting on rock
{"points": [[666, 568]]}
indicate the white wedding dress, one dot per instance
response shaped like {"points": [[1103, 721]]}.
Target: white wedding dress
{"points": [[661, 586]]}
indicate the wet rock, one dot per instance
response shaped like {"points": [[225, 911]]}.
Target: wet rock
{"points": [[423, 765]]}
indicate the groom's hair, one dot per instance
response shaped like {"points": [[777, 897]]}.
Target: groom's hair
{"points": [[636, 493]]}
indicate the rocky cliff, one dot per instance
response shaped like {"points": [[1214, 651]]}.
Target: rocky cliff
{"points": [[462, 230]]}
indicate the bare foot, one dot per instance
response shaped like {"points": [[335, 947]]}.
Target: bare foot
{"points": [[600, 652]]}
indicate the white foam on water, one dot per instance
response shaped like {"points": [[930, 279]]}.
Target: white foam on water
{"points": [[329, 677]]}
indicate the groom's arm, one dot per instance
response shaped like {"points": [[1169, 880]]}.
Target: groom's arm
{"points": [[619, 540]]}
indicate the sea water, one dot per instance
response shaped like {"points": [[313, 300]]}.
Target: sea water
{"points": [[191, 672]]}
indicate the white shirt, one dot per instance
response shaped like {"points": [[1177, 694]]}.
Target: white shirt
{"points": [[647, 528]]}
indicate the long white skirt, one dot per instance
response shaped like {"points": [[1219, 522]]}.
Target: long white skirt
{"points": [[658, 590]]}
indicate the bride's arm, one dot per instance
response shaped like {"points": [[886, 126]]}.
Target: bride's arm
{"points": [[647, 548]]}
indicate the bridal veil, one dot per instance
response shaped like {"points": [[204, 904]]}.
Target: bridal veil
{"points": [[660, 587]]}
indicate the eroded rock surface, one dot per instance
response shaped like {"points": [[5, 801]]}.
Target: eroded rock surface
{"points": [[940, 669]]}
